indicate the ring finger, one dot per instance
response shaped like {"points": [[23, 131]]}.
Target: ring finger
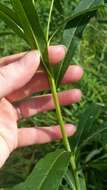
{"points": [[44, 103]]}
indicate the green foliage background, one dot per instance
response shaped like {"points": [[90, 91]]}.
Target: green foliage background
{"points": [[92, 56]]}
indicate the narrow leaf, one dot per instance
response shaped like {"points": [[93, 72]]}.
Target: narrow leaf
{"points": [[25, 25], [99, 163], [29, 20], [7, 15], [86, 128], [82, 180], [75, 26], [93, 136], [47, 173], [70, 180], [86, 4], [92, 154], [71, 45], [10, 13], [72, 19], [89, 130]]}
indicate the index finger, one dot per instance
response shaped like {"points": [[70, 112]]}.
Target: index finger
{"points": [[11, 58], [56, 54]]}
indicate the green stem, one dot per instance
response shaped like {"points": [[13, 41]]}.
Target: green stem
{"points": [[49, 20], [63, 131]]}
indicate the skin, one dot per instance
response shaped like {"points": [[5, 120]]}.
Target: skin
{"points": [[20, 76]]}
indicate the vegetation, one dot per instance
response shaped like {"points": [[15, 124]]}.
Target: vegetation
{"points": [[89, 145]]}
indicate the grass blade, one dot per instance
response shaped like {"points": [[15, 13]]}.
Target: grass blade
{"points": [[93, 136]]}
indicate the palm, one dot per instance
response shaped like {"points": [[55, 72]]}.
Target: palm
{"points": [[8, 126]]}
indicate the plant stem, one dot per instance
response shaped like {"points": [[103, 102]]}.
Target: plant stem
{"points": [[63, 131], [49, 20], [58, 111]]}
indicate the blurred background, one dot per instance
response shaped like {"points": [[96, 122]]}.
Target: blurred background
{"points": [[90, 112]]}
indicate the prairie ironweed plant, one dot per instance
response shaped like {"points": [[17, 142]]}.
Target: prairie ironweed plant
{"points": [[22, 17]]}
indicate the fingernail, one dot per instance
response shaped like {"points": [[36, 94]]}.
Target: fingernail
{"points": [[59, 48], [34, 55], [71, 129], [31, 59], [63, 47]]}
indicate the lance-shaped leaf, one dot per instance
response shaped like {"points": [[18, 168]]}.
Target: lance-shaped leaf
{"points": [[85, 8], [49, 172], [75, 25], [9, 17], [71, 41], [73, 18], [27, 14], [87, 4], [10, 13], [88, 128]]}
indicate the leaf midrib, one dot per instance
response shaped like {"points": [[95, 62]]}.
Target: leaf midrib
{"points": [[42, 182], [30, 28], [13, 21]]}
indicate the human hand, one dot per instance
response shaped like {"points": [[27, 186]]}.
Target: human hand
{"points": [[20, 76]]}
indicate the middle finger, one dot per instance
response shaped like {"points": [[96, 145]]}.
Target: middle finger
{"points": [[45, 103], [40, 83]]}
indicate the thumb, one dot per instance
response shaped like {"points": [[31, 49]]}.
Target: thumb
{"points": [[18, 73]]}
